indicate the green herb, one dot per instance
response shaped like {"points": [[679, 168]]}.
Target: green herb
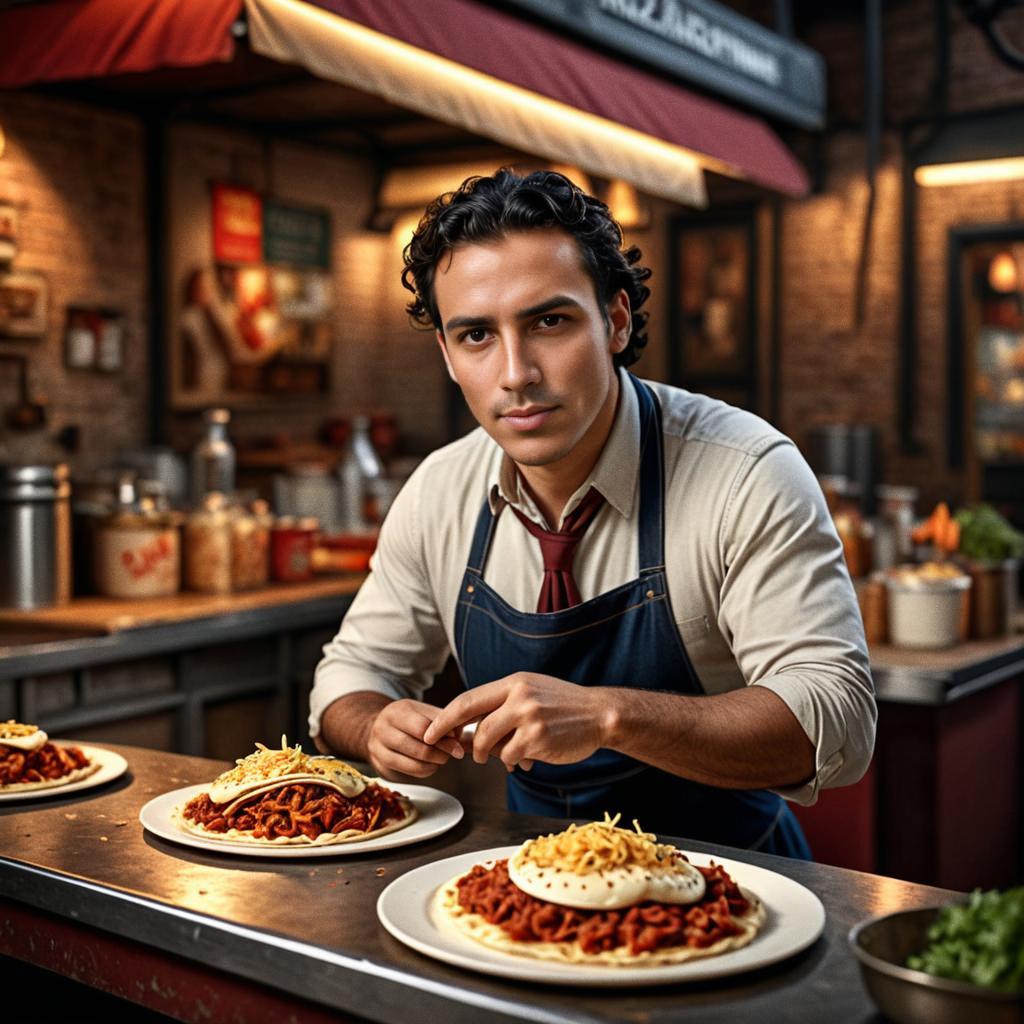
{"points": [[981, 942], [986, 536]]}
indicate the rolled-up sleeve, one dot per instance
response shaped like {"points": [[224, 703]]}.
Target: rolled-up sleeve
{"points": [[392, 639], [790, 615]]}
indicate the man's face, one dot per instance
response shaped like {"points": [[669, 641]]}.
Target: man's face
{"points": [[525, 340]]}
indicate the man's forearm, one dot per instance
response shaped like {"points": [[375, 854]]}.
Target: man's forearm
{"points": [[745, 739], [346, 724]]}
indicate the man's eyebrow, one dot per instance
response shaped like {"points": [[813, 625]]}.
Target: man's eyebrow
{"points": [[555, 302], [467, 321], [548, 304]]}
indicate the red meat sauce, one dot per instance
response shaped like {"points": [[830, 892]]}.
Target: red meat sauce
{"points": [[300, 809], [46, 762], [643, 927]]}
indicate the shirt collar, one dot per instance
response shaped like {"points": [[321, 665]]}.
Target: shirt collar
{"points": [[614, 474]]}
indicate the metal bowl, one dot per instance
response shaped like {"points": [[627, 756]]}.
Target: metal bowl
{"points": [[882, 945]]}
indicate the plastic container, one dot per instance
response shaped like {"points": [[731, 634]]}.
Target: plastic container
{"points": [[926, 605]]}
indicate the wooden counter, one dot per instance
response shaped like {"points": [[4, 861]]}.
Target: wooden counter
{"points": [[111, 615]]}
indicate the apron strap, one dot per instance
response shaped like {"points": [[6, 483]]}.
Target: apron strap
{"points": [[481, 540], [652, 482]]}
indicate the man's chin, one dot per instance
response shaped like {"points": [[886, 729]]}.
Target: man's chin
{"points": [[538, 451]]}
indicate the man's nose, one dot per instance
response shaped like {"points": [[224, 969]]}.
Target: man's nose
{"points": [[519, 367]]}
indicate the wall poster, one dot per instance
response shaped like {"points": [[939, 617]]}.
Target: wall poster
{"points": [[257, 320]]}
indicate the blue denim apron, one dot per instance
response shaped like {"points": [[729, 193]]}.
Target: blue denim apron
{"points": [[626, 637]]}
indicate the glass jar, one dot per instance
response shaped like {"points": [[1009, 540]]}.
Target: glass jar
{"points": [[250, 546], [208, 532], [137, 552]]}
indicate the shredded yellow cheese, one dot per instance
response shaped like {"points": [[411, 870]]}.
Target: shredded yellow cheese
{"points": [[265, 763], [596, 846], [13, 728]]}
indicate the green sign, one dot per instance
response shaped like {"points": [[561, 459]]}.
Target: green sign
{"points": [[296, 235]]}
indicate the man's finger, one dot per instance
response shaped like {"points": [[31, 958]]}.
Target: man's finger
{"points": [[402, 743], [479, 701], [396, 765], [415, 724], [492, 733]]}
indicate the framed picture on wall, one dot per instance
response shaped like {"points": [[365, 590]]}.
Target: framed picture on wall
{"points": [[24, 295], [712, 296]]}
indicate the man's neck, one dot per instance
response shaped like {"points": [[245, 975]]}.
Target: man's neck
{"points": [[552, 486]]}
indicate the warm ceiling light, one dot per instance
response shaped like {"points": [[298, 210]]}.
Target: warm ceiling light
{"points": [[971, 172], [574, 174], [408, 187], [626, 205], [1002, 273], [401, 232]]}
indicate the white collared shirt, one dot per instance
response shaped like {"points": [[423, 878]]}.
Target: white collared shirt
{"points": [[756, 577]]}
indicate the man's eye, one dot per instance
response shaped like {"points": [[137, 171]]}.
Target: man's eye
{"points": [[477, 335], [551, 320]]}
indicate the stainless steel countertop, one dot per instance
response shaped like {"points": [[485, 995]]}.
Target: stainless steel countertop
{"points": [[310, 928]]}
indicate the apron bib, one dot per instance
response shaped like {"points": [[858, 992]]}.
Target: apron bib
{"points": [[626, 637]]}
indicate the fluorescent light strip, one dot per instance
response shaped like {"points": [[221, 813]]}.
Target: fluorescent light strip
{"points": [[971, 172]]}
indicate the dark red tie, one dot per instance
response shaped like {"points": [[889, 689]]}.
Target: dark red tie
{"points": [[558, 588]]}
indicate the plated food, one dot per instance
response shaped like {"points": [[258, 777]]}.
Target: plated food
{"points": [[598, 894], [30, 761], [287, 798]]}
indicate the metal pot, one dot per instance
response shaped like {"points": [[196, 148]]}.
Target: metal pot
{"points": [[35, 536]]}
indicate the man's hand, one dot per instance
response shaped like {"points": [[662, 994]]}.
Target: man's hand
{"points": [[396, 746], [527, 717]]}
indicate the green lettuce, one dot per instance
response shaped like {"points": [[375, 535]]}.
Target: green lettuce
{"points": [[981, 942]]}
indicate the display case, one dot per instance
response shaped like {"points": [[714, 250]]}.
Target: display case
{"points": [[986, 362]]}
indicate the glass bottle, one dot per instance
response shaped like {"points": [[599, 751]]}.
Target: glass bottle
{"points": [[213, 458], [359, 466]]}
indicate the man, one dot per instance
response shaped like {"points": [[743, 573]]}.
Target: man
{"points": [[696, 649]]}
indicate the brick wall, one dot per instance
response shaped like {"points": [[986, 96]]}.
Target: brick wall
{"points": [[75, 176], [833, 367]]}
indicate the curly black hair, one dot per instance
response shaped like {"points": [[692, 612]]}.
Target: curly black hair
{"points": [[485, 208]]}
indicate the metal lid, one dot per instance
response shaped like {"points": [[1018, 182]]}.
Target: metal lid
{"points": [[19, 482], [14, 473]]}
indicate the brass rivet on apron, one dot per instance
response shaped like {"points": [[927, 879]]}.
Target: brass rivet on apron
{"points": [[469, 589], [650, 593]]}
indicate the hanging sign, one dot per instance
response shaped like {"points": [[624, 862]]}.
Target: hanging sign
{"points": [[237, 224], [704, 42], [296, 235]]}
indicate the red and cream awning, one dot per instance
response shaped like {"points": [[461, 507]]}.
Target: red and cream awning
{"points": [[457, 61]]}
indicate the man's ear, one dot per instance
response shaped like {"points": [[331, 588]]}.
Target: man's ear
{"points": [[444, 352], [621, 319]]}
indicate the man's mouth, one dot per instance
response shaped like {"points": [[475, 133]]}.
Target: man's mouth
{"points": [[530, 417]]}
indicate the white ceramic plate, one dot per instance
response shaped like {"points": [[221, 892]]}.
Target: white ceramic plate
{"points": [[795, 920], [438, 812], [111, 766]]}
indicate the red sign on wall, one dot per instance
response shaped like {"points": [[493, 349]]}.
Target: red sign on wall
{"points": [[237, 225]]}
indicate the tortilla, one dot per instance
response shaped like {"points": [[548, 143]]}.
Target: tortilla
{"points": [[453, 919], [238, 837], [75, 775]]}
